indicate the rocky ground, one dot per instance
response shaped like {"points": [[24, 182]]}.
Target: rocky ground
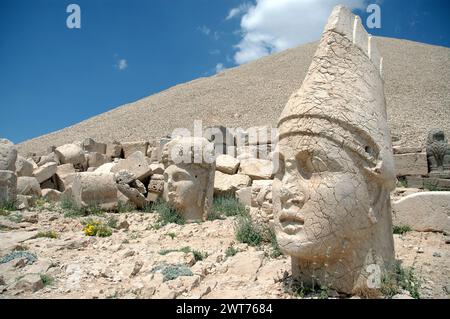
{"points": [[134, 260]]}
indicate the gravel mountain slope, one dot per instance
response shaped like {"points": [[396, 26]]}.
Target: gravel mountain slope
{"points": [[417, 86]]}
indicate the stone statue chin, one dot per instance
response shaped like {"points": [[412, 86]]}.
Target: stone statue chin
{"points": [[189, 179], [331, 192]]}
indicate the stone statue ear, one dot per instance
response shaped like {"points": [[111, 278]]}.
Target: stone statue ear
{"points": [[383, 174]]}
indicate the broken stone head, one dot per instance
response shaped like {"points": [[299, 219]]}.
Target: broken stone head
{"points": [[189, 176], [335, 170]]}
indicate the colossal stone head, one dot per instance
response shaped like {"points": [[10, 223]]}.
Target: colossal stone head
{"points": [[189, 176], [335, 170]]}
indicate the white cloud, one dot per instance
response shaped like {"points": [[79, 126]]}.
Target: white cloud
{"points": [[122, 64], [204, 29], [220, 67], [271, 26], [235, 12]]}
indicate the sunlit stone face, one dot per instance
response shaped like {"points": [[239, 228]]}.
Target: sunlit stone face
{"points": [[320, 199], [184, 189]]}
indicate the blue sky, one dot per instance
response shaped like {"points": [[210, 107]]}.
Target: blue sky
{"points": [[52, 76]]}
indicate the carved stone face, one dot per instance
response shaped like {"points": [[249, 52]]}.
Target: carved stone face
{"points": [[185, 189], [320, 199]]}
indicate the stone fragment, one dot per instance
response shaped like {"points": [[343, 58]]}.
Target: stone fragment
{"points": [[425, 211], [114, 150], [227, 164], [45, 172], [136, 164], [23, 167], [225, 184], [257, 168], [8, 155], [124, 177], [94, 189], [51, 195], [105, 168], [96, 159], [157, 168], [244, 196], [8, 186], [50, 158], [91, 146], [411, 164], [130, 148], [71, 154], [28, 186], [64, 176], [29, 283], [138, 185], [23, 201], [133, 195]]}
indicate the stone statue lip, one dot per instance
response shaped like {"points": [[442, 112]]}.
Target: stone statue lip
{"points": [[291, 221]]}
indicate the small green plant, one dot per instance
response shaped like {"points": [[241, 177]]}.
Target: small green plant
{"points": [[112, 222], [400, 230], [47, 234], [6, 207], [271, 237], [172, 235], [400, 278], [246, 231], [172, 271], [46, 279], [402, 182], [167, 215], [231, 251], [124, 208], [198, 255], [30, 257], [433, 188], [96, 228], [15, 217], [302, 290], [226, 206]]}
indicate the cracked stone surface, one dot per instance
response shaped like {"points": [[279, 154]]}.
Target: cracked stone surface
{"points": [[335, 170]]}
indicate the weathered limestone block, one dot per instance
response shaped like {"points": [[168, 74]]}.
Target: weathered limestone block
{"points": [[50, 158], [227, 164], [133, 195], [114, 150], [138, 185], [411, 164], [244, 196], [8, 186], [189, 176], [335, 169], [28, 186], [105, 168], [225, 184], [24, 201], [45, 172], [221, 137], [51, 195], [131, 147], [406, 150], [153, 154], [257, 168], [65, 175], [70, 154], [89, 189], [124, 177], [91, 146], [8, 155], [261, 192], [157, 168], [425, 211], [23, 167], [97, 159], [136, 164]]}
